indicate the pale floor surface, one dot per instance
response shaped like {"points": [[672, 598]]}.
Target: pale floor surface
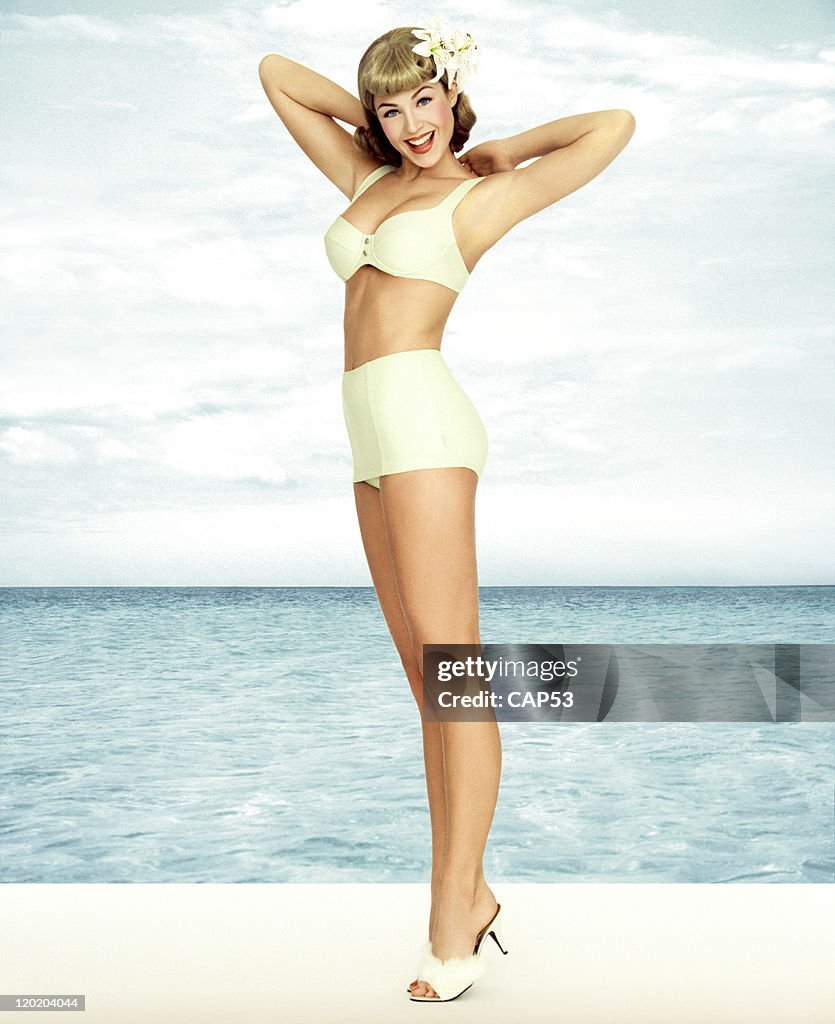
{"points": [[313, 954]]}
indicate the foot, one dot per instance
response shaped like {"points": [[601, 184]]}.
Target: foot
{"points": [[460, 917], [431, 923]]}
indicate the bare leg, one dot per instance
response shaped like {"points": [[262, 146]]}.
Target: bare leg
{"points": [[430, 525], [376, 545], [433, 762]]}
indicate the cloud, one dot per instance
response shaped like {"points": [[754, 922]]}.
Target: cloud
{"points": [[38, 271], [348, 20], [574, 440], [115, 104], [229, 447], [254, 112], [65, 26], [26, 445], [111, 449], [173, 331], [799, 117]]}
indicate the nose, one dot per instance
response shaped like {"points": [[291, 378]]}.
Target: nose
{"points": [[412, 123]]}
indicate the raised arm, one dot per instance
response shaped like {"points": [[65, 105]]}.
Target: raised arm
{"points": [[307, 104], [571, 151]]}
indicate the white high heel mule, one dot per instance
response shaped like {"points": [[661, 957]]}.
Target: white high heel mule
{"points": [[451, 978]]}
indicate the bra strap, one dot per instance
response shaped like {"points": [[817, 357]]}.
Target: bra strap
{"points": [[458, 193], [367, 182]]}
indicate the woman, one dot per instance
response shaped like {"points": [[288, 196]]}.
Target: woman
{"points": [[420, 219]]}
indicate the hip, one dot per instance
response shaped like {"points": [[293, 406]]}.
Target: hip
{"points": [[399, 383]]}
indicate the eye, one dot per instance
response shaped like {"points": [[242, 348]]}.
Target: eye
{"points": [[391, 110]]}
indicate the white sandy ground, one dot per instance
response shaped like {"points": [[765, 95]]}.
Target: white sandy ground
{"points": [[590, 953]]}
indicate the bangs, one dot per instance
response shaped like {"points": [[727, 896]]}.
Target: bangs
{"points": [[390, 66]]}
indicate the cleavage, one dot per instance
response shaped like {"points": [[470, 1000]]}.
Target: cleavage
{"points": [[390, 216]]}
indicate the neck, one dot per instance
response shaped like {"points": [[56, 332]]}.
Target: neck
{"points": [[447, 167]]}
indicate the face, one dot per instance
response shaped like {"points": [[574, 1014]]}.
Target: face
{"points": [[414, 114]]}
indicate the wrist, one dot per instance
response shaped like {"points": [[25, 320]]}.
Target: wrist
{"points": [[512, 151], [516, 149]]}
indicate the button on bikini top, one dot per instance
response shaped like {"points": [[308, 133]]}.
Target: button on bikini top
{"points": [[416, 243]]}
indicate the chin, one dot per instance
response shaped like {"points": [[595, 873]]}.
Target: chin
{"points": [[427, 160]]}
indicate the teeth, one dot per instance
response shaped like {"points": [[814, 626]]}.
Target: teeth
{"points": [[419, 141]]}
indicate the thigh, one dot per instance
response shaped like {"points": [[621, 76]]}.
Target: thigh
{"points": [[375, 543], [430, 524]]}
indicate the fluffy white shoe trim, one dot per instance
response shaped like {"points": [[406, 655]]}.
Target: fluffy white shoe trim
{"points": [[449, 977]]}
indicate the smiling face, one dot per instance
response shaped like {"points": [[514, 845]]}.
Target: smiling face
{"points": [[417, 113]]}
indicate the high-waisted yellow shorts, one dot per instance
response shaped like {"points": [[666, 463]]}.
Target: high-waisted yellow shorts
{"points": [[406, 411]]}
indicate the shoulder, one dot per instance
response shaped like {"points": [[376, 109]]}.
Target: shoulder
{"points": [[367, 172]]}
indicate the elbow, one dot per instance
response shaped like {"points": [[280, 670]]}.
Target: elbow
{"points": [[618, 122], [266, 63], [625, 124]]}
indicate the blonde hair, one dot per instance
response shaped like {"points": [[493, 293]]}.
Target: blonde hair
{"points": [[389, 66]]}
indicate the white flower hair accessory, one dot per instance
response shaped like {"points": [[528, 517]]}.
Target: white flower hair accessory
{"points": [[452, 50]]}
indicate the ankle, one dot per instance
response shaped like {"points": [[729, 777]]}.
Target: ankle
{"points": [[459, 881], [457, 885]]}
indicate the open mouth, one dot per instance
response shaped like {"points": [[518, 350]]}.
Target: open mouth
{"points": [[423, 144]]}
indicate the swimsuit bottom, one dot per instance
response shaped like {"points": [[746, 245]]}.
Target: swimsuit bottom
{"points": [[406, 411]]}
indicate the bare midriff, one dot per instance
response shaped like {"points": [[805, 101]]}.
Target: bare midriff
{"points": [[385, 314]]}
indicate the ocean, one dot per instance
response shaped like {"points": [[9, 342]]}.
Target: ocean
{"points": [[234, 734]]}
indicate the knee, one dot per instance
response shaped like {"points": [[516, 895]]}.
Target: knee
{"points": [[466, 633], [414, 673]]}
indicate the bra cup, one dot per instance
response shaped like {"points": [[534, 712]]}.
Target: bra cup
{"points": [[409, 249], [343, 248], [416, 243], [343, 233]]}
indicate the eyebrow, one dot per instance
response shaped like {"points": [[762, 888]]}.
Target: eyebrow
{"points": [[381, 105]]}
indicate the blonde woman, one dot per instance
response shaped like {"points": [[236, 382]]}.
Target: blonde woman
{"points": [[418, 222]]}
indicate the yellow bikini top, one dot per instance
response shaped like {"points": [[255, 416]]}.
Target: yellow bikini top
{"points": [[416, 243]]}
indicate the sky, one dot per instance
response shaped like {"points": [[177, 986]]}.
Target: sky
{"points": [[652, 356]]}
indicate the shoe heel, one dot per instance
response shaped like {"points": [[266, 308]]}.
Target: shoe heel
{"points": [[496, 933]]}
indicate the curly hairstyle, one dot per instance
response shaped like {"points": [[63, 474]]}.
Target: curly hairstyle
{"points": [[389, 66]]}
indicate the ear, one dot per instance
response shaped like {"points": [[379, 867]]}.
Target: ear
{"points": [[452, 95]]}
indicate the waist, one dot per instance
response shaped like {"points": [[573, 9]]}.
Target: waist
{"points": [[405, 355], [385, 314]]}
